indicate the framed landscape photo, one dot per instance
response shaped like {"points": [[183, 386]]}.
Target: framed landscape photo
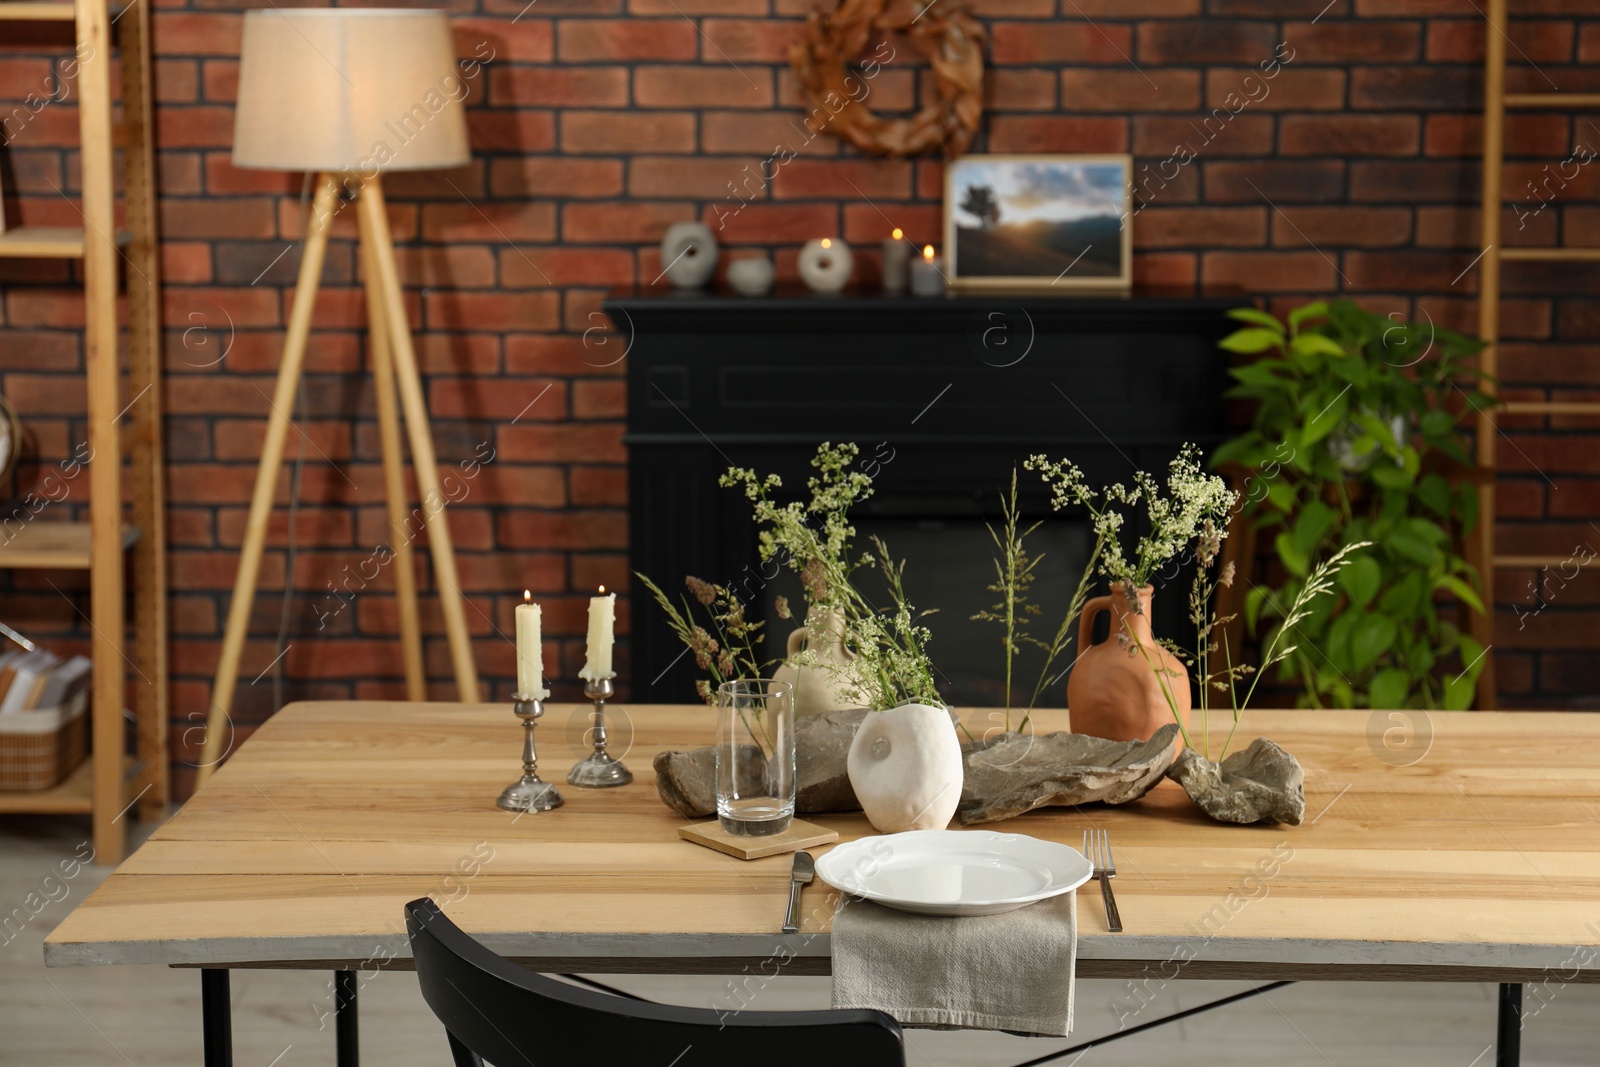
{"points": [[1038, 222]]}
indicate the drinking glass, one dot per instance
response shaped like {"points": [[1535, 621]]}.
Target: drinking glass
{"points": [[755, 757]]}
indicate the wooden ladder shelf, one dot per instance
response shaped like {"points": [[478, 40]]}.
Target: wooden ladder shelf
{"points": [[124, 426], [1496, 102]]}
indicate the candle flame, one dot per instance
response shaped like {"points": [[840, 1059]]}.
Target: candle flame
{"points": [[897, 233], [527, 596], [826, 243], [602, 590], [927, 253]]}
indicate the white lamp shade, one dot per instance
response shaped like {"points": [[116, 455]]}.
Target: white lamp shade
{"points": [[349, 90]]}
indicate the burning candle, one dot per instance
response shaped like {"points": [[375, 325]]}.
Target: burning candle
{"points": [[530, 653], [927, 274], [602, 633], [896, 261]]}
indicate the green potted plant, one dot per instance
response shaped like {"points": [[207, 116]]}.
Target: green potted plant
{"points": [[1358, 435]]}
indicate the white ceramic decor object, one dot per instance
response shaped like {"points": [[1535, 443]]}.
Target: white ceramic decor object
{"points": [[954, 872], [688, 254], [751, 276], [905, 767], [818, 690], [826, 265]]}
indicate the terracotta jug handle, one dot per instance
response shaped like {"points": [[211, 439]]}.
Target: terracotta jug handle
{"points": [[1093, 607], [797, 641]]}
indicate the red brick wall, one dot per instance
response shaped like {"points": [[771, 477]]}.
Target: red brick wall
{"points": [[598, 122]]}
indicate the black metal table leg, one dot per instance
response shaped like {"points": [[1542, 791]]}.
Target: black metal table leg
{"points": [[1508, 1037], [346, 1028], [216, 1016]]}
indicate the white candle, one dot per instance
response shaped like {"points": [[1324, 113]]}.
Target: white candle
{"points": [[927, 274], [530, 653], [896, 259], [602, 632]]}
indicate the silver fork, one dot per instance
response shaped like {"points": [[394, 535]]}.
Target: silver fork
{"points": [[1097, 850]]}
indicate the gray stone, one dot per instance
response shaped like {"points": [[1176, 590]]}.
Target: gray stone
{"points": [[1014, 773], [1263, 783], [821, 750], [687, 781]]}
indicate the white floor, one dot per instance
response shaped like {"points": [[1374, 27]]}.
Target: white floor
{"points": [[143, 1016]]}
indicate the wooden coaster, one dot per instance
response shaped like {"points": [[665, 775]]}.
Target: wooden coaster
{"points": [[799, 835]]}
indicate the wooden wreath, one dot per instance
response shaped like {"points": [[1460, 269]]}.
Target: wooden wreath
{"points": [[943, 31]]}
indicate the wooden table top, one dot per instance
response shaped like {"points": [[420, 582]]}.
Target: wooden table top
{"points": [[1479, 861]]}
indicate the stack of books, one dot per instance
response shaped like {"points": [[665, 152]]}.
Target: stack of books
{"points": [[35, 681]]}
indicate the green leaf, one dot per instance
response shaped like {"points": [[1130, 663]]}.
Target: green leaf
{"points": [[1310, 311], [1280, 494], [1315, 344], [1314, 521], [1403, 598], [1252, 605], [1236, 450], [1297, 561], [1360, 579], [1329, 416], [1251, 340], [1390, 477], [1458, 693], [1437, 423], [1390, 688], [1261, 372], [1259, 317], [1464, 592], [1434, 492], [1370, 638], [1467, 503]]}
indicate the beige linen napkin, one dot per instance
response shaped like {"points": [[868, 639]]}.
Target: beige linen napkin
{"points": [[1010, 972]]}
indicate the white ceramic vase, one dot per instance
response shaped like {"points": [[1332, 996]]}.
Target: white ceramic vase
{"points": [[905, 767], [818, 689], [688, 254]]}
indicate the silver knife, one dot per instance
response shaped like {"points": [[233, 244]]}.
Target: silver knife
{"points": [[800, 875]]}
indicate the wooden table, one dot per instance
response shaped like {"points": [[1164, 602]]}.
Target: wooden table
{"points": [[1443, 847]]}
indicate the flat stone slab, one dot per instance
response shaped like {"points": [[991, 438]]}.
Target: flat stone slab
{"points": [[687, 781], [1014, 773], [1005, 776], [1262, 783]]}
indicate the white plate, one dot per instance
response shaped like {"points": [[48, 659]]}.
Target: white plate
{"points": [[954, 872]]}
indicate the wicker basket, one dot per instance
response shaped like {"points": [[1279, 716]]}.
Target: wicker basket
{"points": [[40, 748]]}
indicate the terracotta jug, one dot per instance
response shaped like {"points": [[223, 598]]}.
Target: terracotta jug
{"points": [[1113, 691], [818, 690]]}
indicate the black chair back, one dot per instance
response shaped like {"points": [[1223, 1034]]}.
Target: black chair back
{"points": [[493, 1009]]}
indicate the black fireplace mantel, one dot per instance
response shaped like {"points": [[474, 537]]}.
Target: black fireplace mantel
{"points": [[945, 394]]}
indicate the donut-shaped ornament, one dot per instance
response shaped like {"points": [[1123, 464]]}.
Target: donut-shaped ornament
{"points": [[826, 265]]}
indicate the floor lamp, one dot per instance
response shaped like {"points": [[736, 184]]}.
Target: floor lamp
{"points": [[347, 93]]}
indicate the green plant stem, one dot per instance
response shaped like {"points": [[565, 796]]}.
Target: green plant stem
{"points": [[1160, 672]]}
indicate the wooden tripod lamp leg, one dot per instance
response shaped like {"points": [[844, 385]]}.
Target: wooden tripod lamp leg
{"points": [[375, 236], [255, 535], [394, 460]]}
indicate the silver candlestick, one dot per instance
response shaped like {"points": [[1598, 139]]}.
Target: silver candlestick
{"points": [[599, 770], [529, 793]]}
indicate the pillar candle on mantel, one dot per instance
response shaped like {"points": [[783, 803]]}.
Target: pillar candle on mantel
{"points": [[530, 653], [602, 632], [896, 260]]}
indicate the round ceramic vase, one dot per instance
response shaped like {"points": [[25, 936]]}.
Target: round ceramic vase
{"points": [[751, 276], [689, 254], [905, 767]]}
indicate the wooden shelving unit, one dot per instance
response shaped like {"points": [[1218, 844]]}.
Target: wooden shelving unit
{"points": [[1496, 102], [124, 428]]}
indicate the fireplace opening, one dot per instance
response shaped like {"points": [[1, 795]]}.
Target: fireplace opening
{"points": [[949, 565]]}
